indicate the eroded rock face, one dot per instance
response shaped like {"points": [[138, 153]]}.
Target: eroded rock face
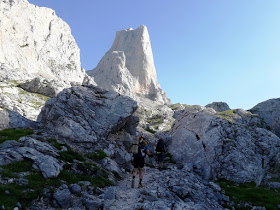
{"points": [[270, 111], [128, 67], [35, 42], [86, 114], [218, 106], [233, 145]]}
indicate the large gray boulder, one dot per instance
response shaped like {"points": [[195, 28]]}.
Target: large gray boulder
{"points": [[218, 106], [10, 119], [128, 67], [12, 151], [86, 114], [270, 111], [233, 145], [35, 42]]}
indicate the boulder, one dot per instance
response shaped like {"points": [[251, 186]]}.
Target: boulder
{"points": [[86, 114], [232, 145], [12, 151], [270, 111], [40, 146], [128, 67], [35, 42], [63, 196], [47, 87], [10, 119], [48, 165], [218, 106]]}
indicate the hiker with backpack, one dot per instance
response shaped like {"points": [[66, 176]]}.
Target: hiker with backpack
{"points": [[160, 150], [139, 148]]}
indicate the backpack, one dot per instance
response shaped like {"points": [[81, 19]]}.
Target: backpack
{"points": [[135, 145], [160, 146]]}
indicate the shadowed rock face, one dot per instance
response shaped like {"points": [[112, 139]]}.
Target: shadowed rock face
{"points": [[227, 145], [35, 42], [270, 111], [84, 114], [128, 67]]}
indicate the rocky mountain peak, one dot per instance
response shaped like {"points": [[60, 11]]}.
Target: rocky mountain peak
{"points": [[35, 42], [128, 67]]}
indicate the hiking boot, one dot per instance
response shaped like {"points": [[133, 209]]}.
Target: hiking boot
{"points": [[132, 183], [140, 185]]}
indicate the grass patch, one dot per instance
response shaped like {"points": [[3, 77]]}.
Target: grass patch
{"points": [[249, 193], [20, 166], [55, 144], [97, 155], [227, 115], [150, 130], [96, 181], [14, 134], [70, 155]]}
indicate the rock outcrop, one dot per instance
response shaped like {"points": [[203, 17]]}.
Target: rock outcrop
{"points": [[35, 42], [128, 67], [218, 106], [42, 154], [233, 144], [270, 111], [86, 114], [10, 119]]}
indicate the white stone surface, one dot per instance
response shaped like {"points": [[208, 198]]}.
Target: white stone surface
{"points": [[35, 42], [128, 67]]}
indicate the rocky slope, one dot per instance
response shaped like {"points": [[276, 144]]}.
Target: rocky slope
{"points": [[233, 144], [270, 111], [128, 67]]}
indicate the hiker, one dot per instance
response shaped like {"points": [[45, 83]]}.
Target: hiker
{"points": [[160, 149], [139, 148]]}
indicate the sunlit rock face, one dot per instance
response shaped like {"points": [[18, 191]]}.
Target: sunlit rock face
{"points": [[35, 42], [128, 67]]}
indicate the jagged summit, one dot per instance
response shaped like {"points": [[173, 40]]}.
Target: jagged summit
{"points": [[128, 67]]}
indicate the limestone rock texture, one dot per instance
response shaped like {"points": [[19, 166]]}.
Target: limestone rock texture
{"points": [[35, 42], [270, 111], [86, 114], [233, 144], [128, 67], [218, 106]]}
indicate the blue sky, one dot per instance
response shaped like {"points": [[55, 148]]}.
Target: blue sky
{"points": [[204, 51]]}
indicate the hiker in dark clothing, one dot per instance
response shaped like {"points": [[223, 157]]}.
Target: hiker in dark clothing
{"points": [[160, 149], [142, 149]]}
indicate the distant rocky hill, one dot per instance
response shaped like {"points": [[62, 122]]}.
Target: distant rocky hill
{"points": [[128, 67]]}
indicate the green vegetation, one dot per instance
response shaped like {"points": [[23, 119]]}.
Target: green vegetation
{"points": [[97, 155], [249, 193], [70, 155], [227, 115], [178, 105], [25, 194], [14, 134], [150, 130], [55, 144]]}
